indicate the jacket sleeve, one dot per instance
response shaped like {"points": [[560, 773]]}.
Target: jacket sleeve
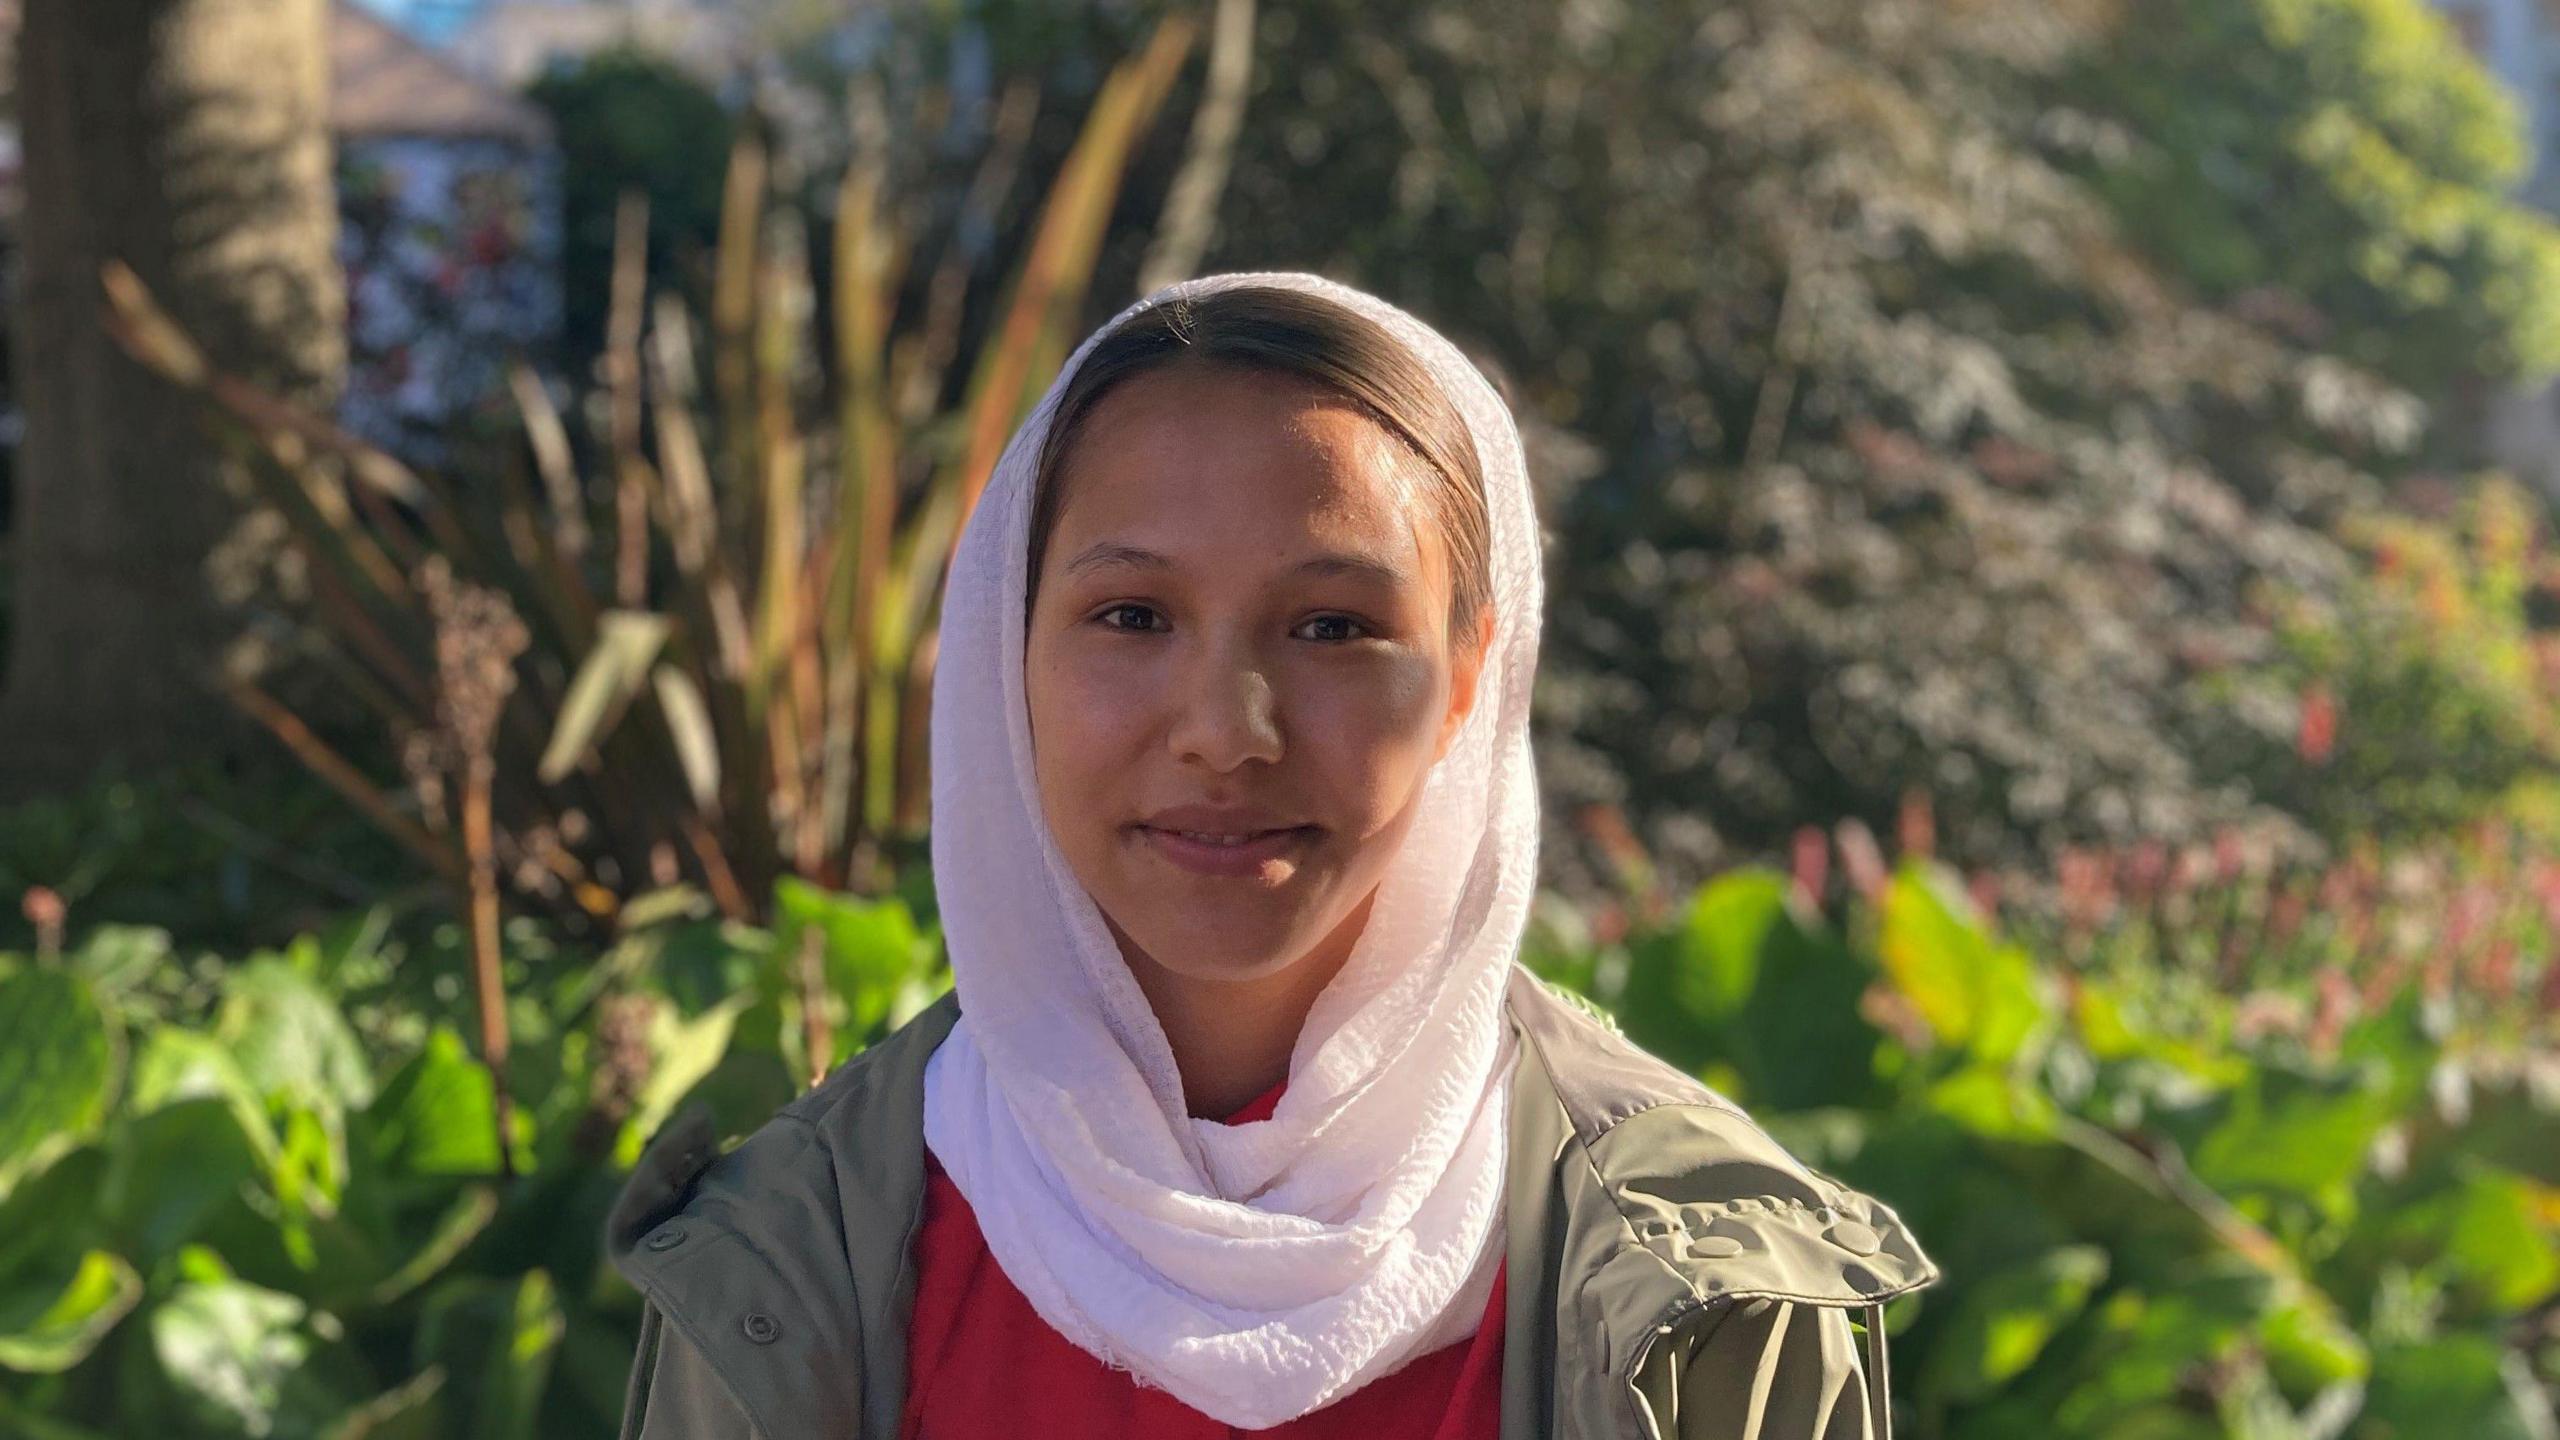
{"points": [[1783, 1370], [674, 1394]]}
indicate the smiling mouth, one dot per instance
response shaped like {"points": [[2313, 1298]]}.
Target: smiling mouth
{"points": [[1210, 853]]}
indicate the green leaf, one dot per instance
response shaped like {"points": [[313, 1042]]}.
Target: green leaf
{"points": [[460, 1224], [689, 722], [170, 1171], [45, 1329], [437, 1115], [744, 1089], [2296, 1133], [1992, 1102], [685, 1051], [872, 949], [2309, 1347], [1740, 991], [627, 642], [54, 1212], [495, 1341], [2488, 1234], [120, 958], [57, 1064], [2002, 1322], [310, 1170], [1977, 995], [704, 963], [2151, 1344], [231, 1348], [173, 1064], [2466, 1385], [290, 1038]]}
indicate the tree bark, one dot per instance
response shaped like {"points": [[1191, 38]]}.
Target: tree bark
{"points": [[189, 139]]}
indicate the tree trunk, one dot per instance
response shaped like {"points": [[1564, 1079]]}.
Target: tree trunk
{"points": [[189, 139]]}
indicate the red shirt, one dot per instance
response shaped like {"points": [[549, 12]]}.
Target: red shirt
{"points": [[983, 1365]]}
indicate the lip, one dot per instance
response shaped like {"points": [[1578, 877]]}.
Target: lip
{"points": [[1209, 858], [1220, 819]]}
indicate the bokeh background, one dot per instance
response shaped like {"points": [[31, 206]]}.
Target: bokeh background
{"points": [[2051, 690]]}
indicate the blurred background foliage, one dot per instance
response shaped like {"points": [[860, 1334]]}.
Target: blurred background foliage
{"points": [[2040, 434], [1926, 395], [2299, 1182]]}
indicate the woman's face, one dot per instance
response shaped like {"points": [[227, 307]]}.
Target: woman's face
{"points": [[1238, 667]]}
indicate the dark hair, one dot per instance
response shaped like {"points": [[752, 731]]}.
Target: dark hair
{"points": [[1290, 332]]}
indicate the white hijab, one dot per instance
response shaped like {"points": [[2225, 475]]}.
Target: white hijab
{"points": [[1256, 1271]]}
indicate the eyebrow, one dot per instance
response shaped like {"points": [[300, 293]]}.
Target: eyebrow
{"points": [[1112, 554]]}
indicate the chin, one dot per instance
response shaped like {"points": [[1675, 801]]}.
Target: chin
{"points": [[1232, 955]]}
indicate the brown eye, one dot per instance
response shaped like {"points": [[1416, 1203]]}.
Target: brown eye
{"points": [[1143, 610], [1347, 624]]}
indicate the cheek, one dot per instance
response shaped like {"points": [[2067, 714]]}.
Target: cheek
{"points": [[1370, 729], [1081, 723]]}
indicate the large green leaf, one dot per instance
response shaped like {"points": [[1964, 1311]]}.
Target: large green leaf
{"points": [[437, 1114], [234, 1351], [290, 1037], [53, 1212], [172, 1064], [1977, 994], [2488, 1235], [2295, 1132], [1743, 994], [48, 1327], [171, 1171], [57, 1065], [871, 948]]}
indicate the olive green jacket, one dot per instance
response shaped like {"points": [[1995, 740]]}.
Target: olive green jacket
{"points": [[1672, 1273]]}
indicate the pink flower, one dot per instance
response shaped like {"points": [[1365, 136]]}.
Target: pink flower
{"points": [[2316, 739], [1916, 828], [1811, 866], [1861, 859]]}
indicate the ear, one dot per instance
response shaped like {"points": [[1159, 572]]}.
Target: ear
{"points": [[1466, 669]]}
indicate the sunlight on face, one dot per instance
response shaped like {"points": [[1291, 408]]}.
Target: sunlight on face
{"points": [[1241, 631]]}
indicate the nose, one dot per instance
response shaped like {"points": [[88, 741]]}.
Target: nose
{"points": [[1226, 713]]}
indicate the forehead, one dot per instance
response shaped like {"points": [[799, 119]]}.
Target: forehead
{"points": [[1214, 453]]}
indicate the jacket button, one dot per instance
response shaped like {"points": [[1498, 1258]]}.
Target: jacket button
{"points": [[760, 1327], [1714, 1247], [1853, 1237], [665, 1237]]}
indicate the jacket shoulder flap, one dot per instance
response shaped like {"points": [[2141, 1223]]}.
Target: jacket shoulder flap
{"points": [[1699, 1184]]}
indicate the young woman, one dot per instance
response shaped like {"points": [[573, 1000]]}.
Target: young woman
{"points": [[1242, 1116]]}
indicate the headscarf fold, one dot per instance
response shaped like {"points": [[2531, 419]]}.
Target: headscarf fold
{"points": [[1256, 1271]]}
